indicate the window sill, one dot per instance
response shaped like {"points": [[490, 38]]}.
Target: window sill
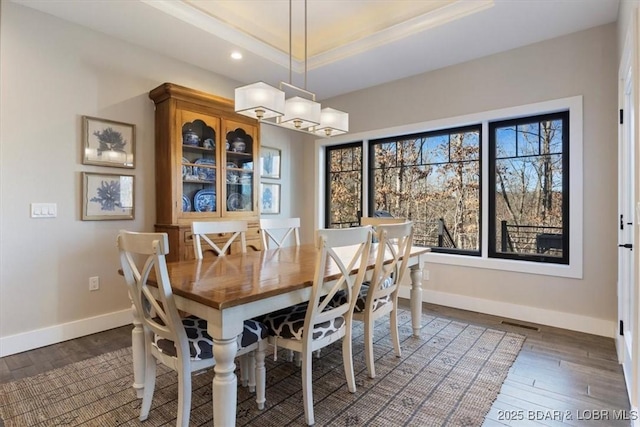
{"points": [[540, 268]]}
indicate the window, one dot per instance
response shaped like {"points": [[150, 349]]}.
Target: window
{"points": [[433, 179], [529, 188], [485, 190], [343, 185]]}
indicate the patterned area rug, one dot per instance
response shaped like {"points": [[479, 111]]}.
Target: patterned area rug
{"points": [[448, 377]]}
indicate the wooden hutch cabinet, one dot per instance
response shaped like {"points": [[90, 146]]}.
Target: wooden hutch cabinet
{"points": [[206, 166]]}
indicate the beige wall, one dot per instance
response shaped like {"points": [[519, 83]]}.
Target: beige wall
{"points": [[625, 13], [51, 74], [584, 64]]}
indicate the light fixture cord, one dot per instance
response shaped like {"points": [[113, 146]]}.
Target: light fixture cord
{"points": [[290, 44], [305, 44], [290, 37]]}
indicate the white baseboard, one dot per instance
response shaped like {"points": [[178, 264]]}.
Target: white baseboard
{"points": [[574, 322], [18, 343], [54, 334]]}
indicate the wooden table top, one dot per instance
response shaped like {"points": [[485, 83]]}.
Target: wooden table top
{"points": [[243, 278]]}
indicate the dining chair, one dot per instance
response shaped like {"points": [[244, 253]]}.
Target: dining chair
{"points": [[202, 229], [308, 327], [276, 231], [379, 296], [181, 344]]}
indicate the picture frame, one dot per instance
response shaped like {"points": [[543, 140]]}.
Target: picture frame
{"points": [[108, 143], [107, 196], [269, 198], [270, 162]]}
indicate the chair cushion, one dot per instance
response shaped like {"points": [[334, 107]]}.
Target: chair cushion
{"points": [[253, 332], [341, 297], [200, 342], [289, 323]]}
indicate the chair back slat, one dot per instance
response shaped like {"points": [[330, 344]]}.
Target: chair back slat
{"points": [[201, 229], [357, 243], [375, 220], [289, 226], [392, 260]]}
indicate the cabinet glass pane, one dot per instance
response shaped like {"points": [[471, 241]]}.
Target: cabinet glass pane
{"points": [[240, 170], [199, 167]]}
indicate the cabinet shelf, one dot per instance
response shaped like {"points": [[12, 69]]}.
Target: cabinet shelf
{"points": [[198, 181], [197, 149]]}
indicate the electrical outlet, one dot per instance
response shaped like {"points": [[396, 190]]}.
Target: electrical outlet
{"points": [[425, 274], [94, 283]]}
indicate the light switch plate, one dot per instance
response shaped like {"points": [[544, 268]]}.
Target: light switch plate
{"points": [[44, 210]]}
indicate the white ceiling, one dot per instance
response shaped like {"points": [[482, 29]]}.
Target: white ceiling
{"points": [[351, 44]]}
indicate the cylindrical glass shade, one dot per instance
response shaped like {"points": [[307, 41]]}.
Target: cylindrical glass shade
{"points": [[332, 122], [259, 101], [300, 113]]}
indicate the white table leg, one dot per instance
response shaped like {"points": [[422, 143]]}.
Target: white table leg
{"points": [[260, 374], [225, 382], [137, 349], [416, 298]]}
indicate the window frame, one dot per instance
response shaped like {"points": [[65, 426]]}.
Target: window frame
{"points": [[566, 196], [327, 183], [431, 133], [572, 104]]}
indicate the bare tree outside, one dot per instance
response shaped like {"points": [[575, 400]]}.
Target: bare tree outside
{"points": [[434, 180], [529, 178], [344, 185]]}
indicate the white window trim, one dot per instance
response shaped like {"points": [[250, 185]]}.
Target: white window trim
{"points": [[573, 104]]}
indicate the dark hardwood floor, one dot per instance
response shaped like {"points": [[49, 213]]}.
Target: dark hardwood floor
{"points": [[43, 359], [559, 378]]}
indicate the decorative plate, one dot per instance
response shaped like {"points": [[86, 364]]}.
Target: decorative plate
{"points": [[186, 204], [187, 171], [204, 173], [205, 201], [238, 202]]}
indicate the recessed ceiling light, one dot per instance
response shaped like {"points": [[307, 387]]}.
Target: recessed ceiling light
{"points": [[236, 55]]}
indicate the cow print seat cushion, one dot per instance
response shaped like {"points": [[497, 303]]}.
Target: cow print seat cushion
{"points": [[200, 342], [289, 323], [341, 297]]}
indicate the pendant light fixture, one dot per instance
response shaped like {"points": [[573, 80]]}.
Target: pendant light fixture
{"points": [[300, 111]]}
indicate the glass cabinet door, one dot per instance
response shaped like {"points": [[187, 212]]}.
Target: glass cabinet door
{"points": [[240, 167], [199, 163]]}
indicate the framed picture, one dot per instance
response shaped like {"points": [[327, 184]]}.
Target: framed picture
{"points": [[269, 162], [108, 143], [107, 196], [269, 198]]}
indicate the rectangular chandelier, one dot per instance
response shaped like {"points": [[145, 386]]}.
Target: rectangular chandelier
{"points": [[302, 113], [264, 102]]}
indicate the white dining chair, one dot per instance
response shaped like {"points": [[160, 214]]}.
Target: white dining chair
{"points": [[276, 231], [181, 344], [379, 296], [202, 230], [308, 327]]}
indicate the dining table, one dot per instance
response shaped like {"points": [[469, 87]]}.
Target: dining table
{"points": [[230, 289]]}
